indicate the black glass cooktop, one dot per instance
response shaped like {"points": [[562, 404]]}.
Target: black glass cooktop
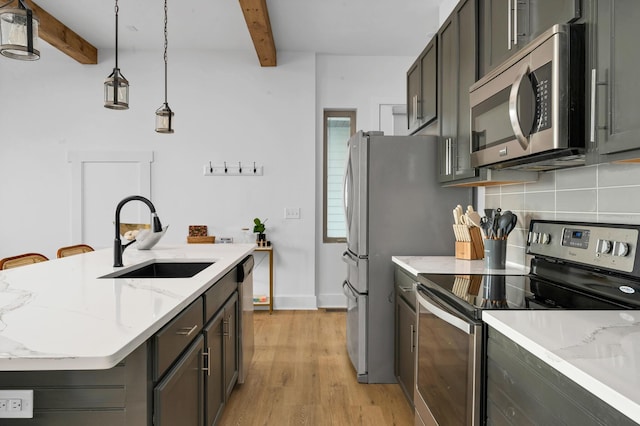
{"points": [[471, 293]]}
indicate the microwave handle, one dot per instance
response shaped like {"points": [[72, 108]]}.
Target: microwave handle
{"points": [[513, 108]]}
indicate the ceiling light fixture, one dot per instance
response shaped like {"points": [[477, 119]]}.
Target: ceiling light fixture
{"points": [[19, 32], [164, 115], [116, 87]]}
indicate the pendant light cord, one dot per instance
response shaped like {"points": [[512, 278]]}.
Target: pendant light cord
{"points": [[116, 10], [166, 43]]}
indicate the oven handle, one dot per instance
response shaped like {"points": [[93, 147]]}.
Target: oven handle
{"points": [[513, 108], [458, 323]]}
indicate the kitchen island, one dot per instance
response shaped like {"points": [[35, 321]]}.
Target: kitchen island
{"points": [[60, 321]]}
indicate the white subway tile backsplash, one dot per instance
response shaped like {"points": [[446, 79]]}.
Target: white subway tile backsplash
{"points": [[546, 182], [619, 200]]}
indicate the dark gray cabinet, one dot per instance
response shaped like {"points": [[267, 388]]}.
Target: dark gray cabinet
{"points": [[214, 384], [179, 396], [230, 343], [614, 108], [508, 25], [457, 50], [422, 84], [523, 389], [405, 329]]}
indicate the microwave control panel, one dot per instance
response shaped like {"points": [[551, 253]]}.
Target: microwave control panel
{"points": [[541, 82], [598, 245]]}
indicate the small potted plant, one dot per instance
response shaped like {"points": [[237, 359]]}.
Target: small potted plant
{"points": [[259, 228]]}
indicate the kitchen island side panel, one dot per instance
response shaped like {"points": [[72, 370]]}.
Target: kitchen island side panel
{"points": [[120, 396]]}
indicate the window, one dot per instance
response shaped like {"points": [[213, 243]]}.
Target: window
{"points": [[338, 128]]}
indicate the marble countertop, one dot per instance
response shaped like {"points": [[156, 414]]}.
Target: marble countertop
{"points": [[59, 315], [599, 350], [450, 265]]}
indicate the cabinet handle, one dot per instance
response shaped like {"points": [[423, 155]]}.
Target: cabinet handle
{"points": [[208, 367], [186, 331], [594, 85], [412, 333], [415, 108], [227, 322], [515, 22], [509, 25]]}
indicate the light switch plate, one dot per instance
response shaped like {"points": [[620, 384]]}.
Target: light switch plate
{"points": [[292, 212]]}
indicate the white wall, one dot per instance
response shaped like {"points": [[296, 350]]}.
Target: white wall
{"points": [[360, 83], [227, 108]]}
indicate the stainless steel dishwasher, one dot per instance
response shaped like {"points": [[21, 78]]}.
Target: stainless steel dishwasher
{"points": [[245, 334]]}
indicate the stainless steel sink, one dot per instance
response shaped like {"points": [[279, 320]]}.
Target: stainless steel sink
{"points": [[162, 270]]}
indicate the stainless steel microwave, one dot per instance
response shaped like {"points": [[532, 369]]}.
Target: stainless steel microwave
{"points": [[529, 113]]}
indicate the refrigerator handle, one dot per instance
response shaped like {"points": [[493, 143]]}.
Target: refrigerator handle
{"points": [[346, 289], [349, 259], [347, 192]]}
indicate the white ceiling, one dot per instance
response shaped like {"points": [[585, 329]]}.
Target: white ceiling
{"points": [[342, 27]]}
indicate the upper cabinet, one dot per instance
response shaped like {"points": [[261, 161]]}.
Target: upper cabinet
{"points": [[458, 71], [422, 83], [614, 127], [508, 25]]}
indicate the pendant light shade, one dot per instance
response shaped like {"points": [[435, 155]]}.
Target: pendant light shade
{"points": [[116, 91], [164, 115], [164, 119], [19, 33], [116, 87]]}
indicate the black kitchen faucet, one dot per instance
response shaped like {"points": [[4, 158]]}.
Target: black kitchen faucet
{"points": [[118, 247]]}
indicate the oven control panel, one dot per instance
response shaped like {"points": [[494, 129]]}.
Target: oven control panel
{"points": [[608, 246]]}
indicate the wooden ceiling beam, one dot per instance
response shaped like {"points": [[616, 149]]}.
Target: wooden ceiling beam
{"points": [[256, 16], [63, 38]]}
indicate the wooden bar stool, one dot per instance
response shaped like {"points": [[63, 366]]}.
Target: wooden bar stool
{"points": [[73, 250], [22, 260]]}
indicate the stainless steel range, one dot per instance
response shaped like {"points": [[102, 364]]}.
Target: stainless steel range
{"points": [[575, 266]]}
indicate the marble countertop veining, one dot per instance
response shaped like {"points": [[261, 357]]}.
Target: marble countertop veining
{"points": [[599, 350], [450, 265], [59, 315]]}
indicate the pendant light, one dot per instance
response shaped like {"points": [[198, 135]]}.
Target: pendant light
{"points": [[116, 87], [19, 33], [164, 115]]}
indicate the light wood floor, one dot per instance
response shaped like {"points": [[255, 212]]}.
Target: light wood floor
{"points": [[301, 375]]}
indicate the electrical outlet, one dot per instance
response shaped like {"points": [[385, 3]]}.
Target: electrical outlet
{"points": [[16, 403], [292, 212]]}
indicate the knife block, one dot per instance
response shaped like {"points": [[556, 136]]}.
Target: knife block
{"points": [[471, 250]]}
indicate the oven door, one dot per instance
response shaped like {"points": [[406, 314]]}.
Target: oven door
{"points": [[448, 366]]}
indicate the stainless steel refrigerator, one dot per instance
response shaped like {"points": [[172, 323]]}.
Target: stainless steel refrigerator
{"points": [[394, 205]]}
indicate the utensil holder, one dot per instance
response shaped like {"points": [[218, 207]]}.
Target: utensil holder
{"points": [[495, 253], [469, 244]]}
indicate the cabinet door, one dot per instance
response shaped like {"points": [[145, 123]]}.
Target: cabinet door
{"points": [[230, 344], [413, 96], [405, 346], [429, 83], [498, 23], [543, 14], [458, 71], [214, 384], [467, 73], [614, 76], [178, 398], [448, 67]]}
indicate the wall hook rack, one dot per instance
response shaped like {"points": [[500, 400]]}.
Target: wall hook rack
{"points": [[233, 168]]}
